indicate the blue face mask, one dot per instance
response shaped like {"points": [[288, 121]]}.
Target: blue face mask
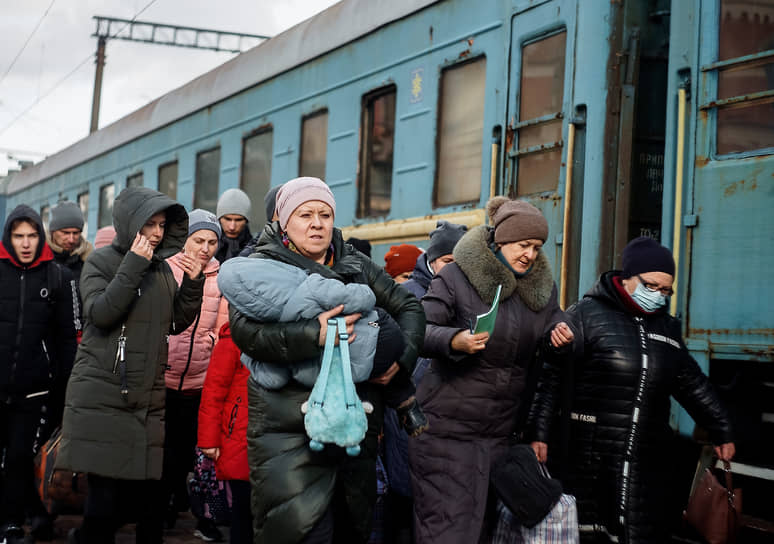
{"points": [[648, 300]]}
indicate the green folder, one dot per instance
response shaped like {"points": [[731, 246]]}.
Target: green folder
{"points": [[486, 322]]}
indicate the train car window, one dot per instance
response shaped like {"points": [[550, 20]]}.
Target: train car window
{"points": [[207, 179], [314, 144], [460, 133], [541, 93], [747, 122], [83, 204], [135, 180], [105, 215], [45, 215], [256, 172], [168, 179], [377, 134]]}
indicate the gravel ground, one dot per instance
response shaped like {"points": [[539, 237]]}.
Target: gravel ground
{"points": [[181, 534]]}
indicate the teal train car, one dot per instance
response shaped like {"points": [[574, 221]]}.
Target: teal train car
{"points": [[616, 118]]}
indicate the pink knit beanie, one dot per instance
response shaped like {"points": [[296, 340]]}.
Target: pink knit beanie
{"points": [[297, 191], [104, 236]]}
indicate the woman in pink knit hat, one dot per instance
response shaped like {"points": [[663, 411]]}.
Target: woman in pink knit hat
{"points": [[302, 495]]}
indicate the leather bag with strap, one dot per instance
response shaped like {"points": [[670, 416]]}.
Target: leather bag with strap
{"points": [[714, 510]]}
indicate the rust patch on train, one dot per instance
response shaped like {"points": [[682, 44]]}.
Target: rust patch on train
{"points": [[740, 185], [701, 161], [731, 332]]}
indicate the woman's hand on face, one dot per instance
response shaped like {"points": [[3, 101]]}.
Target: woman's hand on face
{"points": [[561, 335], [349, 320], [191, 265], [725, 452], [385, 378], [212, 453], [142, 247], [541, 451], [468, 342]]}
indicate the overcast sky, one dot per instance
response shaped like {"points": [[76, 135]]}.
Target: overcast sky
{"points": [[135, 73]]}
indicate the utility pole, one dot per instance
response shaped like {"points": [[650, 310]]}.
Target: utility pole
{"points": [[95, 101], [162, 34]]}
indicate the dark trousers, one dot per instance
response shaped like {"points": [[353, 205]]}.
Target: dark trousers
{"points": [[19, 425], [399, 523], [241, 515], [111, 503], [180, 427]]}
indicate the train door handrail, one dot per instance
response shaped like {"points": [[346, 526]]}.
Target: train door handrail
{"points": [[682, 98], [566, 220]]}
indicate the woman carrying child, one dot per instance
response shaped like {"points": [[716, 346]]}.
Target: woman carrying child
{"points": [[308, 496]]}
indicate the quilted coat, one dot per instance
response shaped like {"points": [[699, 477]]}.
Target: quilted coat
{"points": [[74, 262], [223, 409], [37, 332], [267, 290], [473, 402], [626, 366], [105, 432], [298, 485], [189, 351]]}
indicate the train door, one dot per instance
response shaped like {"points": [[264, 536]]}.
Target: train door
{"points": [[726, 231], [539, 99], [730, 236]]}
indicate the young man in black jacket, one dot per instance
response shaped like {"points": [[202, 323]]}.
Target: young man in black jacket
{"points": [[37, 347]]}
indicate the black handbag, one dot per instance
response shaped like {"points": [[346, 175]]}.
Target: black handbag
{"points": [[523, 486]]}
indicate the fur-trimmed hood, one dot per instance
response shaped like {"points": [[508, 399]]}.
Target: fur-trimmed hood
{"points": [[82, 250], [485, 272]]}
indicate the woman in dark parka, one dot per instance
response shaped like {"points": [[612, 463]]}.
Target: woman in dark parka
{"points": [[629, 359], [472, 392], [113, 425], [300, 495]]}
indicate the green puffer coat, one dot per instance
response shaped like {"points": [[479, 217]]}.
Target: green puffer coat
{"points": [[105, 432], [293, 486]]}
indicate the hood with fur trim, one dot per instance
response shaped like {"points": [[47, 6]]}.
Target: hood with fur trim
{"points": [[485, 272], [81, 251]]}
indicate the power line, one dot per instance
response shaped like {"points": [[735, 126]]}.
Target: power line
{"points": [[40, 21], [40, 99], [70, 73]]}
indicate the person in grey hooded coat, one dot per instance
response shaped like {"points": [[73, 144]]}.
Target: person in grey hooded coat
{"points": [[113, 427]]}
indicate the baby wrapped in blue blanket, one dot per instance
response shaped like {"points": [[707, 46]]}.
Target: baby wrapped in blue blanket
{"points": [[271, 291]]}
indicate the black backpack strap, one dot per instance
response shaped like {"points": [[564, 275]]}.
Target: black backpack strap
{"points": [[53, 280]]}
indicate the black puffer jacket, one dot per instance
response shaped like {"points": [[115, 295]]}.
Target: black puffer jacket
{"points": [[295, 485], [627, 365], [37, 332], [73, 260]]}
